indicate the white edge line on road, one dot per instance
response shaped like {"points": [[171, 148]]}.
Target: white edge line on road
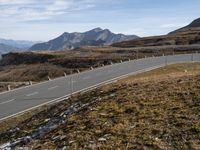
{"points": [[7, 101], [94, 86], [73, 75]]}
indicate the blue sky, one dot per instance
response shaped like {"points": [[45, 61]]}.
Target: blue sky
{"points": [[42, 20]]}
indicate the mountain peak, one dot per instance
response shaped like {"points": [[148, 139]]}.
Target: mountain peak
{"points": [[65, 33], [94, 37], [106, 30], [97, 29]]}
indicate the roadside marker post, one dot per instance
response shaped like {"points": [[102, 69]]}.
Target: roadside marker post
{"points": [[9, 88], [91, 68], [30, 83], [65, 74], [78, 70], [49, 78]]}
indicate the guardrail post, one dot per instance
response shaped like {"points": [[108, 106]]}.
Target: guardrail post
{"points": [[78, 70], [30, 83], [9, 88], [49, 78]]}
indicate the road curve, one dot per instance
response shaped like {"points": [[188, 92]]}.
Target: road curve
{"points": [[24, 99]]}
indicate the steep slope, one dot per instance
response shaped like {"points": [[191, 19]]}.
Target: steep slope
{"points": [[184, 36], [192, 27], [95, 37]]}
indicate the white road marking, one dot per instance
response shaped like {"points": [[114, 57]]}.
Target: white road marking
{"points": [[32, 94], [51, 88], [7, 101]]}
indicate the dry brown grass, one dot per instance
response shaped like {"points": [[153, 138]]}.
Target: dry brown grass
{"points": [[35, 72], [151, 114], [154, 110], [172, 71]]}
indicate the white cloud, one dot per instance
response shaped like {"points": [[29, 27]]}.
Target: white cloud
{"points": [[26, 10]]}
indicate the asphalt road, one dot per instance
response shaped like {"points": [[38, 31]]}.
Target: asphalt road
{"points": [[23, 99]]}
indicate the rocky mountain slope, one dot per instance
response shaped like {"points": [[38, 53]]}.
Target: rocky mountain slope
{"points": [[95, 37], [185, 36]]}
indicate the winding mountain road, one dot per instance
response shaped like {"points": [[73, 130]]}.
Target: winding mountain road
{"points": [[27, 98]]}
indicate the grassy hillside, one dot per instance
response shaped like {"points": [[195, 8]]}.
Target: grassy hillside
{"points": [[37, 66], [186, 37], [154, 110]]}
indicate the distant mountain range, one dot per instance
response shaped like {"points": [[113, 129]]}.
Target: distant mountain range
{"points": [[187, 35], [95, 37], [18, 43], [6, 48], [14, 45]]}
